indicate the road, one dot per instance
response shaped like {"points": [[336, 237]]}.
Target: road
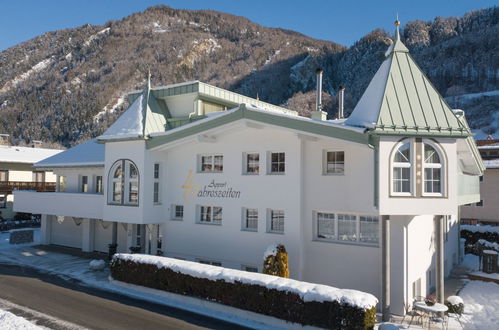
{"points": [[60, 304]]}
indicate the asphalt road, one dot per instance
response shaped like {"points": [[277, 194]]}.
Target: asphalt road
{"points": [[60, 304]]}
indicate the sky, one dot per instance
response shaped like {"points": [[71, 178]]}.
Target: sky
{"points": [[343, 21]]}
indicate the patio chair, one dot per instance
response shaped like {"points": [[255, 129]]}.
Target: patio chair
{"points": [[409, 311]]}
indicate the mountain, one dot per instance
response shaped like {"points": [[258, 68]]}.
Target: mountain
{"points": [[69, 85]]}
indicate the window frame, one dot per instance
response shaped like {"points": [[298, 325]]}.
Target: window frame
{"points": [[270, 163], [336, 236], [244, 219], [211, 213], [3, 205], [99, 189], [124, 183], [6, 173], [156, 193], [441, 166], [270, 213], [84, 184], [246, 163], [212, 163], [173, 211], [410, 165], [325, 162]]}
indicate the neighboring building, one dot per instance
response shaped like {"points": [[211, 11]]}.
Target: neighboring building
{"points": [[486, 211], [199, 173], [16, 173]]}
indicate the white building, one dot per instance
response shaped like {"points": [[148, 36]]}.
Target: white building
{"points": [[203, 174], [16, 172]]}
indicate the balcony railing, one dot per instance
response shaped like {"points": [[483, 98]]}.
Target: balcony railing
{"points": [[9, 186]]}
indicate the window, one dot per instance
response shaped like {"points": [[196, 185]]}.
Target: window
{"points": [[210, 262], [335, 162], [124, 183], [159, 240], [402, 169], [84, 184], [62, 183], [325, 225], [98, 184], [38, 176], [252, 269], [211, 215], [252, 163], [250, 219], [4, 175], [347, 227], [3, 201], [156, 185], [177, 212], [432, 170], [212, 163], [369, 229], [138, 235], [277, 162], [276, 221]]}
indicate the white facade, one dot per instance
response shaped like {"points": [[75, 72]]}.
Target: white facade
{"points": [[220, 189]]}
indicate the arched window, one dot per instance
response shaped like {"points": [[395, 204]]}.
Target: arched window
{"points": [[432, 165], [402, 163], [123, 183]]}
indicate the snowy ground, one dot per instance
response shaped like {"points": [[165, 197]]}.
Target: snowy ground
{"points": [[481, 305], [9, 321]]}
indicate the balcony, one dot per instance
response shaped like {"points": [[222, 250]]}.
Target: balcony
{"points": [[9, 186], [59, 203]]}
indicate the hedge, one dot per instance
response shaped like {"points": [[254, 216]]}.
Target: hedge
{"points": [[260, 299], [474, 235]]}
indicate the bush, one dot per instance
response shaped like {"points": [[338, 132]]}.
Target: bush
{"points": [[276, 261], [455, 305], [257, 298]]}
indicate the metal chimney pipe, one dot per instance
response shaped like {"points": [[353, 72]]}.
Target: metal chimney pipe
{"points": [[341, 102], [318, 100]]}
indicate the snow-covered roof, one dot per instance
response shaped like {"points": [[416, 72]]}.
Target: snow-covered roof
{"points": [[400, 100], [25, 155], [89, 153], [130, 124]]}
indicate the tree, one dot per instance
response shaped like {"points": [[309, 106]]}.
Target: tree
{"points": [[275, 261]]}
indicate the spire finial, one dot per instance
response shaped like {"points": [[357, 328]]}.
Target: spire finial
{"points": [[149, 78], [397, 24]]}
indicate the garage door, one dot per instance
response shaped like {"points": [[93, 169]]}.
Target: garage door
{"points": [[66, 233]]}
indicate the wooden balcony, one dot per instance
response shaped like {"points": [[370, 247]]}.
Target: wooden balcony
{"points": [[7, 187]]}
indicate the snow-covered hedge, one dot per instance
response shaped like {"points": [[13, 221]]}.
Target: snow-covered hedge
{"points": [[291, 300], [472, 234]]}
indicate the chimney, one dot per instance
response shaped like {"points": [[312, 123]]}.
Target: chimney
{"points": [[318, 113], [341, 102]]}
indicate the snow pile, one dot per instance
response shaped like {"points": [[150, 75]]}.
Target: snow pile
{"points": [[481, 303], [97, 264], [481, 229], [9, 321], [307, 291], [455, 300]]}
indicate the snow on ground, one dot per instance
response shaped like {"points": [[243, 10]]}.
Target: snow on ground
{"points": [[9, 321], [110, 107], [481, 305], [96, 36], [471, 262], [23, 76]]}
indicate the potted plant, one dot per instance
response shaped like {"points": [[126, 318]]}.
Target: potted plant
{"points": [[430, 300]]}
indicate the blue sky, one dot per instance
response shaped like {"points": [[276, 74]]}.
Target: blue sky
{"points": [[342, 21]]}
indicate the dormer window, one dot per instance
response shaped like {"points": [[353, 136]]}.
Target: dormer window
{"points": [[402, 164], [123, 183]]}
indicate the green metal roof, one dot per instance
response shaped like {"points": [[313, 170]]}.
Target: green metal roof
{"points": [[400, 100]]}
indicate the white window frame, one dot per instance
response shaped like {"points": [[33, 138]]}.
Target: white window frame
{"points": [[325, 169], [63, 183], [96, 184], [156, 193], [269, 163], [209, 211], [442, 166], [244, 219], [270, 213], [336, 238], [124, 182], [212, 163], [174, 215], [84, 184], [410, 165], [246, 162]]}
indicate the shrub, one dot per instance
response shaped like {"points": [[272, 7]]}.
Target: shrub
{"points": [[455, 305], [275, 261], [245, 292]]}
